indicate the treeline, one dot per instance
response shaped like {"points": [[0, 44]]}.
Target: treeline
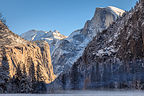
{"points": [[22, 82]]}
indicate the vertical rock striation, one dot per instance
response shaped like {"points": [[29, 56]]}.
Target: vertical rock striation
{"points": [[23, 64]]}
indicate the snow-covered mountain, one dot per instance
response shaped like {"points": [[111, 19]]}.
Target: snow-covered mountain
{"points": [[52, 37], [114, 59], [68, 50]]}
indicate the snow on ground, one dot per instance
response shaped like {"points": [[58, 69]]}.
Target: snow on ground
{"points": [[87, 93]]}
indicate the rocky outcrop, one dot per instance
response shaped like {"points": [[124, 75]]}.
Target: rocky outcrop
{"points": [[113, 59], [68, 50], [23, 64]]}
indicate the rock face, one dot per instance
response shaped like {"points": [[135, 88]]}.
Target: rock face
{"points": [[23, 64], [68, 50], [51, 37], [113, 59]]}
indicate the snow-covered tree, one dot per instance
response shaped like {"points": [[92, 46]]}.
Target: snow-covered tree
{"points": [[25, 82]]}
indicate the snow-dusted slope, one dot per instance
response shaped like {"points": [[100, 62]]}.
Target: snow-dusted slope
{"points": [[51, 37], [68, 50], [114, 59]]}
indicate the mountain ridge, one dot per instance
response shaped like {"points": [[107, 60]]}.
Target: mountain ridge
{"points": [[68, 50], [52, 37]]}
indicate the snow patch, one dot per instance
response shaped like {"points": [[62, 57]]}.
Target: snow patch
{"points": [[143, 24], [106, 51], [118, 11]]}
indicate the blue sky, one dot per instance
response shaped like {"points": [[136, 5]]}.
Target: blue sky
{"points": [[62, 15]]}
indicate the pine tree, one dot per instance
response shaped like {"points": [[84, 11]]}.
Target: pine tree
{"points": [[63, 81], [3, 79], [74, 77], [32, 75], [18, 77], [25, 82], [39, 74], [40, 85], [32, 72]]}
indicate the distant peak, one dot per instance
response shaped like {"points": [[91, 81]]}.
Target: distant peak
{"points": [[112, 7], [32, 30], [50, 31], [115, 10], [56, 31]]}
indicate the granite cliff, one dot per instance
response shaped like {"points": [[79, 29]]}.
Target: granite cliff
{"points": [[23, 64], [68, 50]]}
